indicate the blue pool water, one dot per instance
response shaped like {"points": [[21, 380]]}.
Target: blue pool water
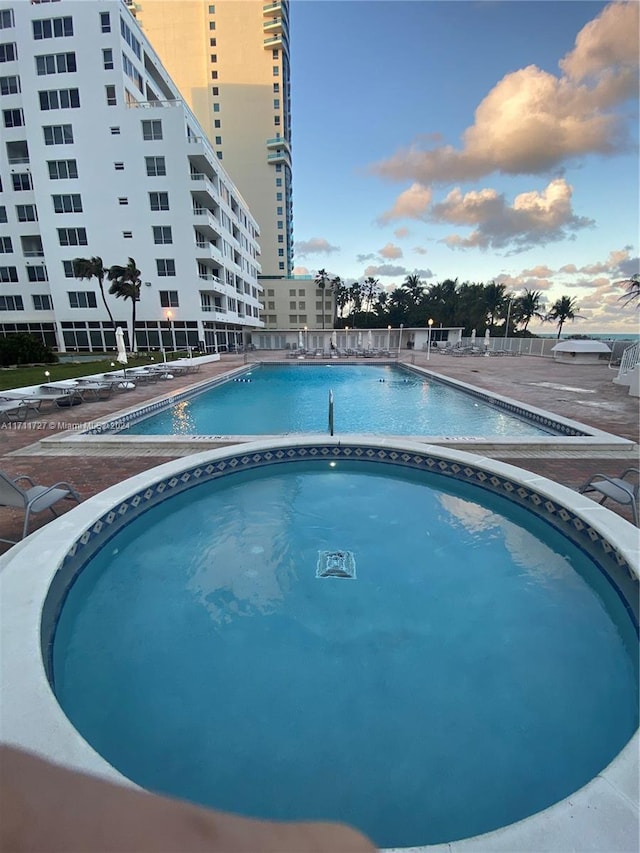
{"points": [[478, 668], [379, 400]]}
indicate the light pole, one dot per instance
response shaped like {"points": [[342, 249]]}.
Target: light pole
{"points": [[388, 338], [429, 324], [170, 319], [346, 338], [306, 338], [400, 339]]}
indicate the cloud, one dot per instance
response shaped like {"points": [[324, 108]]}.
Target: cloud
{"points": [[568, 268], [410, 204], [390, 252], [400, 233], [534, 219], [314, 246], [532, 121], [385, 269], [613, 265], [419, 250], [361, 259], [540, 271]]}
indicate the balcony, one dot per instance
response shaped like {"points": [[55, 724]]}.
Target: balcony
{"points": [[273, 25], [278, 142], [279, 157], [281, 41], [203, 189], [207, 222]]}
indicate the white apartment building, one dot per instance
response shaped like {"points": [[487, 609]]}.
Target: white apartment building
{"points": [[230, 59], [100, 156]]}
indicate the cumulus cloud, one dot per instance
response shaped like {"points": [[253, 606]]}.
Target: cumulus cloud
{"points": [[314, 246], [385, 269], [532, 121], [613, 265], [401, 233], [410, 204], [419, 250], [534, 219], [540, 271], [390, 252], [361, 259]]}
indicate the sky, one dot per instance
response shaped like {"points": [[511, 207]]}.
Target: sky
{"points": [[483, 140]]}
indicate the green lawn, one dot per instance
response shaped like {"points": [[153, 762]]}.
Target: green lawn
{"points": [[18, 377]]}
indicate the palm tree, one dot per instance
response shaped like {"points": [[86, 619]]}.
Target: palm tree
{"points": [[125, 283], [494, 297], [322, 277], [88, 268], [563, 309], [339, 296], [632, 286], [414, 287], [370, 288], [528, 306]]}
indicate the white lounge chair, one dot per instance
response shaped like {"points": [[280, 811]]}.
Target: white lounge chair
{"points": [[623, 491], [34, 498]]}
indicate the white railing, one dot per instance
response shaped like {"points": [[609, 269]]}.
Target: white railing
{"points": [[630, 358]]}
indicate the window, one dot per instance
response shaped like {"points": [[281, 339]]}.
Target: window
{"points": [[41, 302], [3, 213], [123, 200], [214, 75], [11, 303], [292, 305], [280, 223], [276, 70], [5, 245], [105, 22], [292, 292], [110, 92], [119, 167], [216, 108], [275, 53], [107, 58], [10, 85], [13, 118], [301, 292], [58, 134], [8, 52], [8, 274], [276, 121], [216, 123], [214, 57], [219, 155], [276, 88], [151, 129], [279, 211], [21, 181], [212, 25], [280, 238], [276, 103], [218, 140], [166, 267], [162, 234], [59, 99], [278, 196], [37, 273], [159, 201], [52, 28], [212, 42], [62, 169], [130, 39], [71, 203], [169, 299], [271, 292], [281, 255], [156, 166], [278, 167], [72, 236], [215, 90], [82, 299], [6, 19], [67, 266], [278, 182], [271, 306], [55, 63], [115, 131], [132, 72]]}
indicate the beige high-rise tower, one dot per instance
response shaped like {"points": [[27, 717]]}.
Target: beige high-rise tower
{"points": [[230, 60]]}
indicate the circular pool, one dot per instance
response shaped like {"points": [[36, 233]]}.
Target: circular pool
{"points": [[420, 643]]}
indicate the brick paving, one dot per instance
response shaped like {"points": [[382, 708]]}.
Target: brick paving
{"points": [[584, 393]]}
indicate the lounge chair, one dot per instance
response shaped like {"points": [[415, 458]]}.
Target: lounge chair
{"points": [[17, 410], [623, 491], [34, 498], [49, 394]]}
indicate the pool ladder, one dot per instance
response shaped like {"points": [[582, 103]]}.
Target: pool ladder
{"points": [[330, 412]]}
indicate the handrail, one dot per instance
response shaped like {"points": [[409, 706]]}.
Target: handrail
{"points": [[630, 357], [330, 412]]}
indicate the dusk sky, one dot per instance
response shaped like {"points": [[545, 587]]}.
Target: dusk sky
{"points": [[470, 139]]}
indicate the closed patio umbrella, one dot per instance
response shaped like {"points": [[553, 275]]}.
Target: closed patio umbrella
{"points": [[369, 339], [122, 350], [300, 340]]}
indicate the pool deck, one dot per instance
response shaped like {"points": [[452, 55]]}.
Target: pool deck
{"points": [[585, 393]]}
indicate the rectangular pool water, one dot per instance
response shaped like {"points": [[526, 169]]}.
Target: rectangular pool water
{"points": [[374, 399]]}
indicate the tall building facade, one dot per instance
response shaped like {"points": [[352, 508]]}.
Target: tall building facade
{"points": [[100, 156], [230, 60]]}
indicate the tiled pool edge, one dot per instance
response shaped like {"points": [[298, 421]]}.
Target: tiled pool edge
{"points": [[36, 721]]}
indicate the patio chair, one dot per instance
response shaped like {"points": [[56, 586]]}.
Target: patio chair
{"points": [[623, 491], [34, 498], [17, 410]]}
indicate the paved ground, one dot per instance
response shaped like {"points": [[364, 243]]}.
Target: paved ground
{"points": [[581, 392]]}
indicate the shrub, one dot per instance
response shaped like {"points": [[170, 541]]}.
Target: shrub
{"points": [[23, 348]]}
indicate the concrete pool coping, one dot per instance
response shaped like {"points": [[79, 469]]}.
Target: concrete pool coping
{"points": [[603, 815], [571, 435]]}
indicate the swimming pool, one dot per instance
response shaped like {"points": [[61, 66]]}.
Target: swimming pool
{"points": [[471, 667], [374, 399]]}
